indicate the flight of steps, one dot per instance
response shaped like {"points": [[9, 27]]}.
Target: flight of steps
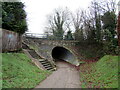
{"points": [[44, 62], [47, 65]]}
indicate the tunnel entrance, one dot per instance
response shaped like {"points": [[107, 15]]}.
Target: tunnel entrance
{"points": [[61, 53]]}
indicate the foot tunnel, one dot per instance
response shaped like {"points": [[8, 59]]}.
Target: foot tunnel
{"points": [[61, 53]]}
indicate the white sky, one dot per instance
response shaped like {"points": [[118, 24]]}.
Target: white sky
{"points": [[37, 11]]}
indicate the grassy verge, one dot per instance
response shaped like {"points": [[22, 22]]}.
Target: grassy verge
{"points": [[19, 72], [100, 74]]}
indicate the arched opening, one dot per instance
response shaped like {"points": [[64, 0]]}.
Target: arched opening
{"points": [[61, 53]]}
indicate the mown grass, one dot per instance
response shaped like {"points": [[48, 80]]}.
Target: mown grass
{"points": [[100, 74], [19, 72]]}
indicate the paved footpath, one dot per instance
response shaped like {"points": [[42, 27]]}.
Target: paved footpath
{"points": [[66, 76]]}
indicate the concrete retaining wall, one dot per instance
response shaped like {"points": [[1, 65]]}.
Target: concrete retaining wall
{"points": [[11, 41]]}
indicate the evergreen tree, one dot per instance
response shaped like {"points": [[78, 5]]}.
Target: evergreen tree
{"points": [[14, 17], [69, 36], [79, 35], [109, 22]]}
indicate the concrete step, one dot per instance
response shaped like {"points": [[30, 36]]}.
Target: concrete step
{"points": [[48, 66], [44, 62], [52, 69], [41, 60], [33, 54]]}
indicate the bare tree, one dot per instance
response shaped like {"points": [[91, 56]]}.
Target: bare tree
{"points": [[77, 20], [107, 5], [57, 22]]}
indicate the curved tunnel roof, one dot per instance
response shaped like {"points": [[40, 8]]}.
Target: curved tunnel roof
{"points": [[62, 53]]}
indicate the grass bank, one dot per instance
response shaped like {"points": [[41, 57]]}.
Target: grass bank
{"points": [[18, 71], [100, 74]]}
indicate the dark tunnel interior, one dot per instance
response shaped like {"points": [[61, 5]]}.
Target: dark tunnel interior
{"points": [[61, 53]]}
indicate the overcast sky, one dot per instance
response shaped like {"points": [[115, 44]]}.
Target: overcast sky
{"points": [[37, 11]]}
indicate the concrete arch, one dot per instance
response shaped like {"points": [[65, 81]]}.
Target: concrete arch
{"points": [[63, 53]]}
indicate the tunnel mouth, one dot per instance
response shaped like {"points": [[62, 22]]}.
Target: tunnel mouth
{"points": [[61, 54]]}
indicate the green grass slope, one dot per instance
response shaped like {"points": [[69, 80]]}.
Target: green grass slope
{"points": [[19, 72], [101, 74]]}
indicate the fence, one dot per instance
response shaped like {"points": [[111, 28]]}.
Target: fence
{"points": [[11, 41], [46, 36], [34, 35]]}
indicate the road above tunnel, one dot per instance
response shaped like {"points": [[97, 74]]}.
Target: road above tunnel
{"points": [[66, 76]]}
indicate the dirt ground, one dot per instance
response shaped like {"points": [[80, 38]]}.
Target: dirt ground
{"points": [[66, 76]]}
